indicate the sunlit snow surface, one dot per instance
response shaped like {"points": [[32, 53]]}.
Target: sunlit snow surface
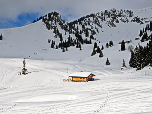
{"points": [[43, 90], [48, 98]]}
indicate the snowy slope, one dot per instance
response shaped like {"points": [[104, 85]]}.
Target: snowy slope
{"points": [[42, 90], [24, 41], [31, 41]]}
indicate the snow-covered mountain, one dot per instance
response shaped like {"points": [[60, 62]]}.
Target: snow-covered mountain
{"points": [[43, 43], [31, 41]]}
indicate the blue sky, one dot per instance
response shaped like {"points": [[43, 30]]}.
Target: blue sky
{"points": [[21, 20], [17, 13]]}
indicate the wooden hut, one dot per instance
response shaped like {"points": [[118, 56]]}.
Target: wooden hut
{"points": [[82, 76]]}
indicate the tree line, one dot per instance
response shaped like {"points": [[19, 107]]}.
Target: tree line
{"points": [[141, 56]]}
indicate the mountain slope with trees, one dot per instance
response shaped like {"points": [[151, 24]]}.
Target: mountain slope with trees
{"points": [[107, 34]]}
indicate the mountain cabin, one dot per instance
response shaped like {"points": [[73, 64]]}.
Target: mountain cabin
{"points": [[82, 76]]}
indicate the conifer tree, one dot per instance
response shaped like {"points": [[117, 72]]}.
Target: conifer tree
{"points": [[107, 62], [80, 46], [144, 37], [66, 48], [61, 38], [136, 52], [150, 25], [90, 42], [80, 32], [77, 44], [86, 33], [123, 64], [150, 52], [48, 26], [141, 33], [131, 62], [123, 46], [52, 44], [102, 47], [56, 47], [110, 43], [93, 53], [101, 54], [63, 50], [107, 45], [49, 40], [1, 37], [77, 28], [95, 45], [145, 56], [143, 30], [91, 36], [98, 49], [139, 58]]}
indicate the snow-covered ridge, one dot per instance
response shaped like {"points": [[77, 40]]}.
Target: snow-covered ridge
{"points": [[31, 41]]}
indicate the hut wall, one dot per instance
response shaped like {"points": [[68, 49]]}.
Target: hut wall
{"points": [[80, 79]]}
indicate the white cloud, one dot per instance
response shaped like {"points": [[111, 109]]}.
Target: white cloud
{"points": [[28, 22], [12, 8]]}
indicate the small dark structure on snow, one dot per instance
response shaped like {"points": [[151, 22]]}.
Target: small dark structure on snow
{"points": [[24, 70]]}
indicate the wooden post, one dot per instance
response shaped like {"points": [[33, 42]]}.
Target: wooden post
{"points": [[24, 70]]}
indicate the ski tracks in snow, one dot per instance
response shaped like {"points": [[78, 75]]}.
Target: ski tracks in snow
{"points": [[104, 104]]}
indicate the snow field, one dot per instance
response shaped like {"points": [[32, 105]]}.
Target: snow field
{"points": [[43, 90]]}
